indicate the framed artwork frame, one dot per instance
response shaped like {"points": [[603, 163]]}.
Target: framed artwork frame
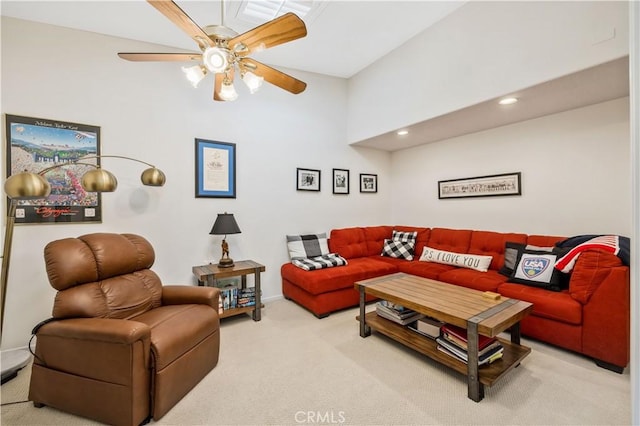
{"points": [[215, 169], [341, 181], [36, 144], [481, 186], [307, 179], [368, 183]]}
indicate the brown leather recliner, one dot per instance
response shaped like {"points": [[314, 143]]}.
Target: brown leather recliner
{"points": [[120, 348]]}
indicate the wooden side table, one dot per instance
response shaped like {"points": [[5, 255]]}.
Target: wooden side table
{"points": [[209, 274]]}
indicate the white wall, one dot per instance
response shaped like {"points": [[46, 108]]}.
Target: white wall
{"points": [[148, 111], [481, 51], [575, 175]]}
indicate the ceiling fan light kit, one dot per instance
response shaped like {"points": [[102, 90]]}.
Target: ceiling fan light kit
{"points": [[216, 59], [195, 74], [227, 91], [223, 51], [252, 81]]}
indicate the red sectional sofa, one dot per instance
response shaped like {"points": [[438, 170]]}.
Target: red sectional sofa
{"points": [[591, 317]]}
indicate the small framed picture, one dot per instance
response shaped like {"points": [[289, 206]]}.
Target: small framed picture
{"points": [[215, 169], [340, 181], [307, 179], [368, 183]]}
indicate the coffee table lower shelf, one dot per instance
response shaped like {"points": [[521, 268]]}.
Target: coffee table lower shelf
{"points": [[489, 374]]}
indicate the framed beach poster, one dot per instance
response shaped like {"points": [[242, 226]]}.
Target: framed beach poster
{"points": [[215, 169], [48, 147]]}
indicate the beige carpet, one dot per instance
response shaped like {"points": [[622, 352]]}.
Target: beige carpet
{"points": [[292, 368]]}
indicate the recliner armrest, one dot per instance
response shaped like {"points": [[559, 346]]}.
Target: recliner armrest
{"points": [[180, 295], [106, 330], [104, 349]]}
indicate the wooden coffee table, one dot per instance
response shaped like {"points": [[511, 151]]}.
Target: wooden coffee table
{"points": [[455, 305]]}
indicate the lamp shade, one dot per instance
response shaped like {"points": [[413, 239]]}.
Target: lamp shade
{"points": [[153, 177], [27, 186], [99, 180], [225, 224]]}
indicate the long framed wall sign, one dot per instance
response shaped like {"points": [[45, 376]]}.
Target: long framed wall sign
{"points": [[215, 169], [481, 186], [36, 144]]}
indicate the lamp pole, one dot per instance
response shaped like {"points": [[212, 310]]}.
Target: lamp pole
{"points": [[11, 361], [6, 258]]}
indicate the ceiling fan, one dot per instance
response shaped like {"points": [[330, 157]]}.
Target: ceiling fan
{"points": [[223, 51]]}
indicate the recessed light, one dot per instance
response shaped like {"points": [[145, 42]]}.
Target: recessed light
{"points": [[508, 101], [402, 132]]}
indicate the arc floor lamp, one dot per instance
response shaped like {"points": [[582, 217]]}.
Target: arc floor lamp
{"points": [[34, 186]]}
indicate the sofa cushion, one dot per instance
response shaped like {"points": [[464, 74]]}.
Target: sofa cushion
{"points": [[544, 240], [493, 244], [456, 240], [375, 236], [592, 268], [348, 242], [330, 279], [554, 305], [482, 281], [398, 249], [305, 246], [462, 260], [424, 269]]}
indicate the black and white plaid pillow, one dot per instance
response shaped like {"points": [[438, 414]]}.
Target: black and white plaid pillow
{"points": [[306, 246], [405, 237], [398, 249]]}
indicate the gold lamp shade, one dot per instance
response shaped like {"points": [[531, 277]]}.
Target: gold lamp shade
{"points": [[153, 177], [99, 180], [27, 186]]}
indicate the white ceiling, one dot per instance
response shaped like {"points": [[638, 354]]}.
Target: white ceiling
{"points": [[344, 37]]}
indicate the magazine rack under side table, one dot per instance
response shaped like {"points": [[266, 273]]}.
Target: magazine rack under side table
{"points": [[209, 274]]}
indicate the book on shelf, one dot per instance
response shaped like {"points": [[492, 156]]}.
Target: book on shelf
{"points": [[397, 313], [229, 296], [458, 335], [427, 326], [488, 355]]}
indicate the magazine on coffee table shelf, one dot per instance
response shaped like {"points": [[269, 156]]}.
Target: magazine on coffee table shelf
{"points": [[397, 313]]}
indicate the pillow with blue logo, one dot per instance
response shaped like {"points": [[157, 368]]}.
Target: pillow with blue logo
{"points": [[536, 268]]}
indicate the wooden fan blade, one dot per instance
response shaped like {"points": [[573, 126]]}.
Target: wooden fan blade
{"points": [[176, 15], [286, 28], [150, 57], [273, 76], [217, 86]]}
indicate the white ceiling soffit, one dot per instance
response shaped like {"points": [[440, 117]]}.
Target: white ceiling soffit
{"points": [[593, 85], [343, 36]]}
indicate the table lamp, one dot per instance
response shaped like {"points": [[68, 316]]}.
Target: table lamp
{"points": [[225, 224]]}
